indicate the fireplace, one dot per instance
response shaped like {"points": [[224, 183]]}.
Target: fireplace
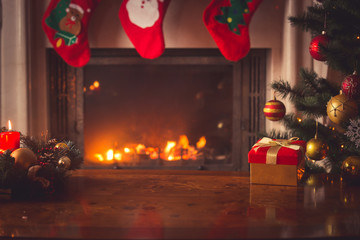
{"points": [[188, 109]]}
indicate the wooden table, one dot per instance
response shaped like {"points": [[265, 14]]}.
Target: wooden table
{"points": [[154, 204]]}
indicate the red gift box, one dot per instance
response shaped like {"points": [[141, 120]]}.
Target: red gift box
{"points": [[285, 155], [275, 161]]}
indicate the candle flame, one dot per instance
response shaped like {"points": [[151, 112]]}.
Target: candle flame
{"points": [[9, 124]]}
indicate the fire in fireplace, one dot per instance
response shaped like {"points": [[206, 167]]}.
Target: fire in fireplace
{"points": [[152, 115], [189, 108]]}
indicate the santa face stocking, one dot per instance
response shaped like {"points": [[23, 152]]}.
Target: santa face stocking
{"points": [[142, 21], [65, 23], [228, 23]]}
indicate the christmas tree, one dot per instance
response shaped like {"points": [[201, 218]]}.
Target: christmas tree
{"points": [[327, 111]]}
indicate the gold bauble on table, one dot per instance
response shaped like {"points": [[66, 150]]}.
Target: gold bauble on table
{"points": [[24, 157], [62, 145], [316, 149], [64, 162], [350, 169], [340, 108]]}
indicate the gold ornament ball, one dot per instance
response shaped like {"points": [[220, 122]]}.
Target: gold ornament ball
{"points": [[24, 157], [64, 162], [316, 149], [62, 145], [340, 108], [350, 169]]}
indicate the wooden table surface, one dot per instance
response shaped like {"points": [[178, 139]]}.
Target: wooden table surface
{"points": [[155, 204]]}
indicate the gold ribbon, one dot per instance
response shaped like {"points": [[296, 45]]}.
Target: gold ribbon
{"points": [[275, 146]]}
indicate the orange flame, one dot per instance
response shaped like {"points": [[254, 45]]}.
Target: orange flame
{"points": [[118, 156], [168, 151], [99, 157], [181, 150], [170, 145], [110, 155], [201, 143], [184, 142], [140, 149]]}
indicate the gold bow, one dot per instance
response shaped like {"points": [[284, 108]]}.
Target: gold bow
{"points": [[275, 146]]}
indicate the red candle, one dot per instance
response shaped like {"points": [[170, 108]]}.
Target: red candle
{"points": [[9, 140]]}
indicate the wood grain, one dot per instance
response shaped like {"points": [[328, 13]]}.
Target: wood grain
{"points": [[162, 204]]}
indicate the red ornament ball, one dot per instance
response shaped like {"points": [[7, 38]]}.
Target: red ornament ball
{"points": [[274, 110], [351, 86], [314, 48]]}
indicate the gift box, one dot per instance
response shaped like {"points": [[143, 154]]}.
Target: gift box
{"points": [[276, 161]]}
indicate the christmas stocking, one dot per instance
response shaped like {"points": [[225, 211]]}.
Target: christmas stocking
{"points": [[142, 21], [228, 23], [65, 23]]}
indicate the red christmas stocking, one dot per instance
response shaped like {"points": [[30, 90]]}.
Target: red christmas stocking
{"points": [[228, 23], [142, 21], [65, 23]]}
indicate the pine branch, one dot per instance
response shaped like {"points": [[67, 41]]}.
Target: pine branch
{"points": [[284, 89], [312, 21]]}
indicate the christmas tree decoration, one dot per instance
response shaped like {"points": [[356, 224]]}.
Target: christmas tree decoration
{"points": [[61, 145], [228, 24], [64, 162], [274, 110], [353, 132], [340, 108], [142, 21], [316, 149], [350, 170], [24, 157], [351, 86], [65, 23], [339, 46], [315, 47]]}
